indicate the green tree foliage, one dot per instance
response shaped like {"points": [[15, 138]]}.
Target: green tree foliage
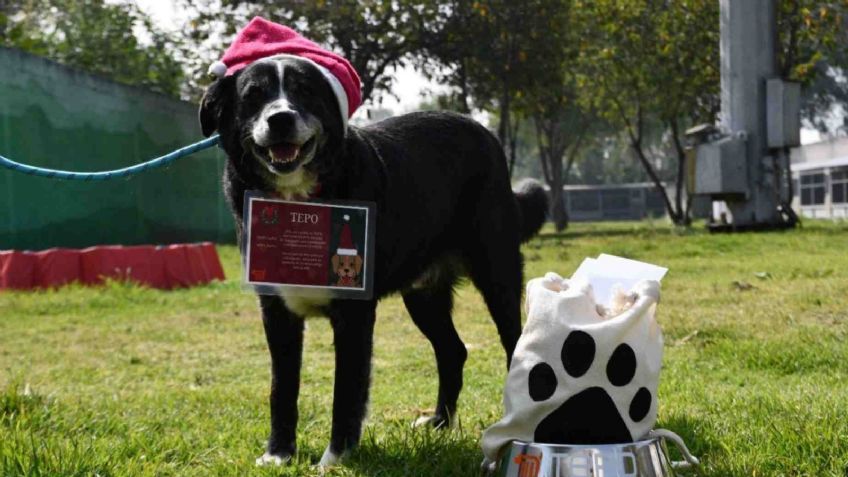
{"points": [[550, 100], [606, 159], [376, 36], [565, 75], [653, 69], [94, 36], [643, 61], [493, 51], [814, 51], [512, 58]]}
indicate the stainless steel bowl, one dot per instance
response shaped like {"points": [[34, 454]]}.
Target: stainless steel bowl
{"points": [[645, 458]]}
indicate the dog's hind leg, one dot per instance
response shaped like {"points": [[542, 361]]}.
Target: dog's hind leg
{"points": [[430, 309], [495, 267], [284, 332], [353, 334]]}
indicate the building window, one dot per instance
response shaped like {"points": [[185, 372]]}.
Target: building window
{"points": [[812, 189], [839, 185]]}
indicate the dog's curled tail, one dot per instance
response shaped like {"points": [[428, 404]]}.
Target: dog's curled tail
{"points": [[533, 204]]}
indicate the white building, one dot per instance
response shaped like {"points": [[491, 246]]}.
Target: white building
{"points": [[820, 179]]}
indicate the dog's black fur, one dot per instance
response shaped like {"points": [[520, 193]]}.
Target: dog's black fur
{"points": [[444, 207]]}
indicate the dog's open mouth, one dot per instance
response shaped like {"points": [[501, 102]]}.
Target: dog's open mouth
{"points": [[286, 156], [283, 153]]}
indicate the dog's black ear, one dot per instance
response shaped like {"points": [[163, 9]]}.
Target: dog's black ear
{"points": [[216, 101]]}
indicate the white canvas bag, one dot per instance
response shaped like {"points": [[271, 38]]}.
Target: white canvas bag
{"points": [[581, 374]]}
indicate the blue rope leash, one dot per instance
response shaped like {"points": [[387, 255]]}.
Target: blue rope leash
{"points": [[115, 174]]}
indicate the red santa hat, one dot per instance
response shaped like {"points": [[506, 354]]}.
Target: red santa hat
{"points": [[263, 39], [346, 246]]}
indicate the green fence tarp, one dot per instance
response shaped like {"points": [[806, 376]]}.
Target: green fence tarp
{"points": [[53, 116]]}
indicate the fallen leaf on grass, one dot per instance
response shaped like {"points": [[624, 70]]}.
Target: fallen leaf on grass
{"points": [[742, 286], [685, 339]]}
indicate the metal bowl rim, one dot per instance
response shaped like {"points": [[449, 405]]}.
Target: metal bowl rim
{"points": [[640, 442]]}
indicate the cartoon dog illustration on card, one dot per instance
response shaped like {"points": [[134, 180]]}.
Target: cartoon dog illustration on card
{"points": [[347, 263]]}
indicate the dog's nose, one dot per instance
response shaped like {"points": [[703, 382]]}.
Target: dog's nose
{"points": [[282, 121]]}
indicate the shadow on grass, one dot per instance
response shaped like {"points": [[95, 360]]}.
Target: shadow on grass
{"points": [[417, 452], [647, 228], [628, 229], [570, 234]]}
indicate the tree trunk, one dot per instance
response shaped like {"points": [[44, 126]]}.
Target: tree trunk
{"points": [[550, 153], [513, 143], [637, 148], [463, 91], [635, 135], [683, 216], [503, 126], [545, 169], [503, 115], [562, 218], [559, 214]]}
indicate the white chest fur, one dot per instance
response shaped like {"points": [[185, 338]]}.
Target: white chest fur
{"points": [[295, 185], [306, 305]]}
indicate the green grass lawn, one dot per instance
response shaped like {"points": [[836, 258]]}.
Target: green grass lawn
{"points": [[122, 380]]}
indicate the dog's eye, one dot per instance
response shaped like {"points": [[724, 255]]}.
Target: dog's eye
{"points": [[306, 87], [253, 93], [299, 85]]}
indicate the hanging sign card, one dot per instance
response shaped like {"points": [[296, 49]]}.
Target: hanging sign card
{"points": [[309, 248]]}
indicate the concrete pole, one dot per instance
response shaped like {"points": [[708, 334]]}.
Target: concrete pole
{"points": [[748, 58]]}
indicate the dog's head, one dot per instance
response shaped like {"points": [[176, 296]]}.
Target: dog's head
{"points": [[275, 117], [347, 266]]}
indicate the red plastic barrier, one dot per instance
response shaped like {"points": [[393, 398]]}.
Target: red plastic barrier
{"points": [[17, 269], [157, 277], [197, 264], [212, 261], [56, 267], [164, 267], [101, 262], [177, 272], [136, 263]]}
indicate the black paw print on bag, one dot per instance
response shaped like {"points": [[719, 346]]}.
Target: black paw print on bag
{"points": [[589, 416]]}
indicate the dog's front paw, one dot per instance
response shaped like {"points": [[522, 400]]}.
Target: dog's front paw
{"points": [[273, 459], [436, 422], [329, 459]]}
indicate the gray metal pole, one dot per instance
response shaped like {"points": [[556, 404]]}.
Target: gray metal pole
{"points": [[748, 59]]}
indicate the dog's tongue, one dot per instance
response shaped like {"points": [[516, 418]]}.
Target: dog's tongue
{"points": [[284, 152]]}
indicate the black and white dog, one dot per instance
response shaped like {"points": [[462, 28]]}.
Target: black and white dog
{"points": [[444, 208]]}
